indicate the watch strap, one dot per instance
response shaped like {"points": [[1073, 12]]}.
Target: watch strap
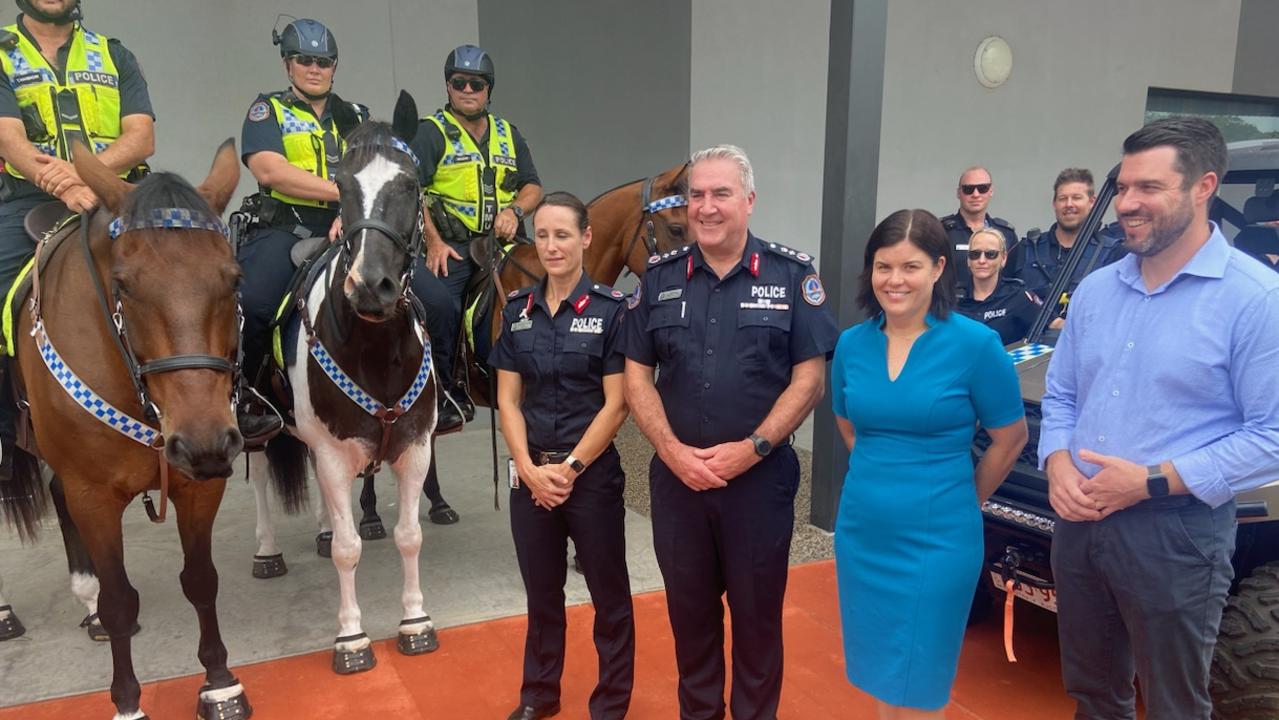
{"points": [[578, 466]]}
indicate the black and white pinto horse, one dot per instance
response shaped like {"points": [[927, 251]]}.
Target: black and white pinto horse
{"points": [[362, 386]]}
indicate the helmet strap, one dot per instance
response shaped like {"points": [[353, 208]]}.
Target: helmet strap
{"points": [[66, 18], [483, 113], [316, 97]]}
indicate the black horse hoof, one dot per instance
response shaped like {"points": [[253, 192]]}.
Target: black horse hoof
{"points": [[418, 643], [10, 626], [324, 544], [372, 529], [92, 624], [443, 515], [236, 708], [349, 662], [269, 566]]}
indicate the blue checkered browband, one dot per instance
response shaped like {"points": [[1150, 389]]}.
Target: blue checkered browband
{"points": [[666, 203], [171, 218], [403, 147]]}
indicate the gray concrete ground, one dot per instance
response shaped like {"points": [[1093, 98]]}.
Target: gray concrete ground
{"points": [[469, 574]]}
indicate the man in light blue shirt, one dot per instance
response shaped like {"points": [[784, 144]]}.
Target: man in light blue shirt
{"points": [[1162, 404]]}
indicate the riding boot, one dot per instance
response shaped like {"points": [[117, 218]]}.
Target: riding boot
{"points": [[257, 419], [450, 418], [462, 396]]}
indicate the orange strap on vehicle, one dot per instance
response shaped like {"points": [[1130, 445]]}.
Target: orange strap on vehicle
{"points": [[1008, 620]]}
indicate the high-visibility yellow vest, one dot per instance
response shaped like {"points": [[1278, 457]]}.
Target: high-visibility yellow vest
{"points": [[86, 105], [459, 176], [304, 146]]}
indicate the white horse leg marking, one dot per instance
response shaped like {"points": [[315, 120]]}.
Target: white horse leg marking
{"points": [[259, 473], [410, 474], [223, 694], [322, 523], [85, 588], [135, 715]]}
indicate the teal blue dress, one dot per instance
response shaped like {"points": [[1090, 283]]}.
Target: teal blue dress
{"points": [[908, 537]]}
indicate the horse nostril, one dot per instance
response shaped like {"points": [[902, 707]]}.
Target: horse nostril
{"points": [[175, 447], [232, 442], [386, 288]]}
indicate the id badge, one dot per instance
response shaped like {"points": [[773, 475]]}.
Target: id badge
{"points": [[512, 479]]}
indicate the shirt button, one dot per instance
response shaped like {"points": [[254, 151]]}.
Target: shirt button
{"points": [[1101, 438], [706, 386], [714, 321], [583, 344], [765, 317], [716, 289], [706, 419], [1129, 345], [1114, 393], [710, 351]]}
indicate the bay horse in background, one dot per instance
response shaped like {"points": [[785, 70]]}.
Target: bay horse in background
{"points": [[363, 390], [128, 363]]}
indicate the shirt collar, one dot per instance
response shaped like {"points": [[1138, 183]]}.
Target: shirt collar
{"points": [[291, 99], [1208, 262], [584, 285], [753, 246]]}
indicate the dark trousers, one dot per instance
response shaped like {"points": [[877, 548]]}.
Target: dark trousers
{"points": [[16, 247], [733, 540], [267, 267], [1141, 592], [594, 517]]}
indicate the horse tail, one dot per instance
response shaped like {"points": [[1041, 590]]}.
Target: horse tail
{"points": [[24, 498], [286, 456]]}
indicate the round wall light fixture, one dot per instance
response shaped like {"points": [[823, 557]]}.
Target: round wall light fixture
{"points": [[993, 61]]}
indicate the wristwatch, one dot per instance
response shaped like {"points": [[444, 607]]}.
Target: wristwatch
{"points": [[519, 211], [577, 465], [762, 447], [1156, 481]]}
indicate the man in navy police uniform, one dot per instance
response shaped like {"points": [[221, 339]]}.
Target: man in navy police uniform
{"points": [[974, 192], [737, 326]]}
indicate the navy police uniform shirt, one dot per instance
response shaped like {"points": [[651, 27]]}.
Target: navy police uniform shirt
{"points": [[561, 359], [724, 348], [1009, 311], [957, 230], [261, 132], [1043, 256]]}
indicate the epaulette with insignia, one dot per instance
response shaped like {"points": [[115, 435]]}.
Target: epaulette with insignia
{"points": [[999, 222], [802, 258], [520, 293], [950, 222], [8, 40], [608, 292], [668, 256]]}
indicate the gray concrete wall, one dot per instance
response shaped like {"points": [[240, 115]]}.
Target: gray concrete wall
{"points": [[599, 89], [1257, 54], [759, 81], [1078, 87], [206, 61]]}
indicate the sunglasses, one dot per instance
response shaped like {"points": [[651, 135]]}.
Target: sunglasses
{"points": [[979, 188], [476, 84], [976, 254], [309, 60]]}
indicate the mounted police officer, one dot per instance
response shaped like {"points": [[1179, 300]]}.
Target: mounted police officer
{"points": [[1001, 303], [478, 175], [292, 141], [740, 333], [974, 192], [61, 82], [1045, 252]]}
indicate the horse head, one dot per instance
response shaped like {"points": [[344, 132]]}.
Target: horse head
{"points": [[381, 212], [669, 223], [173, 282]]}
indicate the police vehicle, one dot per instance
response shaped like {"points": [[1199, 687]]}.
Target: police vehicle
{"points": [[1019, 521]]}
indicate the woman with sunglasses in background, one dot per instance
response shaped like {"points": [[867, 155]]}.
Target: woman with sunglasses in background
{"points": [[559, 388], [1002, 303]]}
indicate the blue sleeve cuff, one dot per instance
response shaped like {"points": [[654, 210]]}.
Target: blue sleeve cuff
{"points": [[1050, 442], [1202, 477]]}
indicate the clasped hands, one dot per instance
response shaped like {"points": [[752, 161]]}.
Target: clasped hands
{"points": [[549, 485], [60, 179], [709, 468], [1119, 484]]}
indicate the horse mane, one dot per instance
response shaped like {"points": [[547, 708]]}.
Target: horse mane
{"points": [[161, 190]]}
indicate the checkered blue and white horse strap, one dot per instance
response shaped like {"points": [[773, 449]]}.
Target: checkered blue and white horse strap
{"points": [[403, 147], [358, 395], [1028, 352], [666, 203], [168, 218], [91, 402]]}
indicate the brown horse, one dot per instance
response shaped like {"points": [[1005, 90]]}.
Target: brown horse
{"points": [[128, 359]]}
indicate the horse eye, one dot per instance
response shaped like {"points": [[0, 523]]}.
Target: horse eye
{"points": [[677, 231]]}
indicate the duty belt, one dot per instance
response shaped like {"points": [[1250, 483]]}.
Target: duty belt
{"points": [[549, 457]]}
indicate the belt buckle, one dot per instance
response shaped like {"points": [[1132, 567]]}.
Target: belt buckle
{"points": [[544, 458]]}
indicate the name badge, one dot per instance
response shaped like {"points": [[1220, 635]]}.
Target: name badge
{"points": [[675, 294], [523, 324]]}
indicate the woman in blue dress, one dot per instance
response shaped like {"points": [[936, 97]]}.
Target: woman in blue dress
{"points": [[909, 387]]}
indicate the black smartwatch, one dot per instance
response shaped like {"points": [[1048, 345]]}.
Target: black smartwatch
{"points": [[519, 211], [762, 446], [1156, 481], [578, 466]]}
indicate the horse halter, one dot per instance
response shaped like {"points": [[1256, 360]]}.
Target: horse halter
{"points": [[650, 207], [410, 245]]}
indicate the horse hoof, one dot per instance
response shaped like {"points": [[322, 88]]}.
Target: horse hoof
{"points": [[372, 529], [92, 624], [269, 566], [349, 662], [418, 643], [324, 544], [10, 626], [443, 515], [236, 708]]}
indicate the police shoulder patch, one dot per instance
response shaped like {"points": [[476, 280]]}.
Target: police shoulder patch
{"points": [[259, 111], [634, 298], [814, 293]]}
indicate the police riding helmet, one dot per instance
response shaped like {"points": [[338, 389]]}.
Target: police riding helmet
{"points": [[69, 15], [470, 59], [306, 37]]}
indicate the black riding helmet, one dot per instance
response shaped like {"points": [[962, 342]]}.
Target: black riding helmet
{"points": [[470, 59], [71, 15], [305, 37]]}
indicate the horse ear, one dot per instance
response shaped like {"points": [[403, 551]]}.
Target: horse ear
{"points": [[404, 121], [223, 177], [104, 183]]}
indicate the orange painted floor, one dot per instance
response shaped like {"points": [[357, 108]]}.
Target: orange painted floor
{"points": [[476, 672]]}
